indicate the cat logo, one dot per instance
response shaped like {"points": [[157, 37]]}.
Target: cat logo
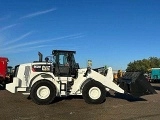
{"points": [[46, 68]]}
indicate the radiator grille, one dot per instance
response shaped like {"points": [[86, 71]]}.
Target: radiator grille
{"points": [[27, 73]]}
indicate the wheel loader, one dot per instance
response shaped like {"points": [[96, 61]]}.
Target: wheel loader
{"points": [[60, 76]]}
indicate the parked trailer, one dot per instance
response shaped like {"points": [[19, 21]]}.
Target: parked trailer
{"points": [[61, 77]]}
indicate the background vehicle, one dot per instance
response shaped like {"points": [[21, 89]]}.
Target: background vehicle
{"points": [[5, 72], [155, 75]]}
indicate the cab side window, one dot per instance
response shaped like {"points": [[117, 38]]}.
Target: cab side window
{"points": [[63, 60]]}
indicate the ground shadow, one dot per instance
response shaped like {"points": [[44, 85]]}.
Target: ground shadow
{"points": [[127, 97], [58, 99], [2, 87], [156, 86]]}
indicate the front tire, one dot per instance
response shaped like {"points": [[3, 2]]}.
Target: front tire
{"points": [[43, 92], [94, 92]]}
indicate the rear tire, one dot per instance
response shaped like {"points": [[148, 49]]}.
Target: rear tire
{"points": [[43, 92], [94, 92]]}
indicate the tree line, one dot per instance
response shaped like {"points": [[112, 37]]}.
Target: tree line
{"points": [[143, 65]]}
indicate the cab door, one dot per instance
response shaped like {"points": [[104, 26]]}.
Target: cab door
{"points": [[61, 66]]}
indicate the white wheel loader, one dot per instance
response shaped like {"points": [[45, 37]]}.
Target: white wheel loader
{"points": [[61, 77]]}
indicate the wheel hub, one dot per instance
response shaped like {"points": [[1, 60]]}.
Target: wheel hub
{"points": [[43, 92], [94, 93]]}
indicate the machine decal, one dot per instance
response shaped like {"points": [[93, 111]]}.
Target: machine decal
{"points": [[41, 68]]}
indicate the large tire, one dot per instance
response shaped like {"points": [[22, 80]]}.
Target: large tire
{"points": [[94, 92], [43, 92]]}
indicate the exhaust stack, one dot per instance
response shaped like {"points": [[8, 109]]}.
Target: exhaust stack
{"points": [[40, 56]]}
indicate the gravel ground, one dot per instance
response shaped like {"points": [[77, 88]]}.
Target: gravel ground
{"points": [[19, 107]]}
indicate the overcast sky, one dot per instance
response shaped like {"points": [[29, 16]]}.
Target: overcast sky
{"points": [[108, 32]]}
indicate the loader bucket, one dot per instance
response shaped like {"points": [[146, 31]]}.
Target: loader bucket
{"points": [[136, 84]]}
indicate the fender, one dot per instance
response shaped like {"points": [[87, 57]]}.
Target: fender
{"points": [[86, 81], [44, 76]]}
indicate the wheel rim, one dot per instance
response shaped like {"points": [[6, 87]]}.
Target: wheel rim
{"points": [[43, 92], [94, 93]]}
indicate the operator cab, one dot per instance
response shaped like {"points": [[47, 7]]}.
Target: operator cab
{"points": [[65, 65]]}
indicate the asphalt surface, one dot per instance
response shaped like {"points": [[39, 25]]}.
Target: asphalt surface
{"points": [[20, 107]]}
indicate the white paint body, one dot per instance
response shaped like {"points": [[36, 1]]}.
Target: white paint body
{"points": [[25, 79]]}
